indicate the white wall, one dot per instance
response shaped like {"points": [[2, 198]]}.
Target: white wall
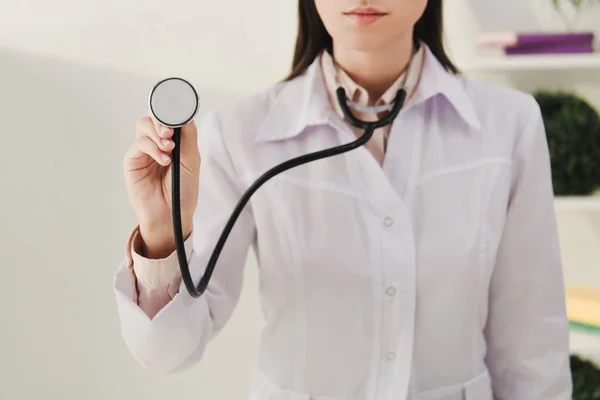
{"points": [[74, 78], [220, 42]]}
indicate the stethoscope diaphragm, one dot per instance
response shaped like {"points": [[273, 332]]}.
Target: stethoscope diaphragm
{"points": [[174, 102]]}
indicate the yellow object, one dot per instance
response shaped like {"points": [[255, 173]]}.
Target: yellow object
{"points": [[583, 307]]}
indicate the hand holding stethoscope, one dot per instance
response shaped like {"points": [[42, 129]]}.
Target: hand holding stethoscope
{"points": [[148, 170], [174, 103]]}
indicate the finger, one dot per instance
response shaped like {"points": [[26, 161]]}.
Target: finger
{"points": [[146, 127], [163, 131], [144, 146]]}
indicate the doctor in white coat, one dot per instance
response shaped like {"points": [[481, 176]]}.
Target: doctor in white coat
{"points": [[424, 265]]}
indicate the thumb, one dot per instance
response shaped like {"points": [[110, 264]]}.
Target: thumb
{"points": [[189, 139]]}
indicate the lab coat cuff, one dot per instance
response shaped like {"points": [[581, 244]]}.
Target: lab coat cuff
{"points": [[165, 341]]}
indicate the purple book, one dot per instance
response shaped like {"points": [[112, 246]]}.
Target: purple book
{"points": [[550, 49], [541, 39]]}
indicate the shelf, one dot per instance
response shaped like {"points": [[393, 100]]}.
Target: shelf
{"points": [[534, 62], [577, 203]]}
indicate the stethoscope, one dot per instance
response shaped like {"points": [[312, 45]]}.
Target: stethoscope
{"points": [[174, 102]]}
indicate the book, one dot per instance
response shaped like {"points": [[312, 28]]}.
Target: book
{"points": [[583, 308], [512, 40], [550, 49]]}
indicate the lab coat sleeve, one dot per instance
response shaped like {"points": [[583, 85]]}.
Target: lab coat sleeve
{"points": [[527, 330], [176, 337]]}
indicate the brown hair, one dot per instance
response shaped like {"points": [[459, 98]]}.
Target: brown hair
{"points": [[313, 38]]}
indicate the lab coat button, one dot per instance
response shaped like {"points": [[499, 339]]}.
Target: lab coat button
{"points": [[388, 222], [391, 291], [391, 356]]}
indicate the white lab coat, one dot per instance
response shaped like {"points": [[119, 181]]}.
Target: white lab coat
{"points": [[437, 276]]}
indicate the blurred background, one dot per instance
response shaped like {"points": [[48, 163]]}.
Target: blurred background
{"points": [[74, 78]]}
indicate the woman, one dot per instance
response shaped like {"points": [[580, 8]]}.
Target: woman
{"points": [[424, 265]]}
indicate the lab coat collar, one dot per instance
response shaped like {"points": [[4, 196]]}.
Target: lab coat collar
{"points": [[304, 102], [435, 80], [301, 103]]}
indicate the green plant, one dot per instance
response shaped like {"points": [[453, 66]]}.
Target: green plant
{"points": [[573, 132], [586, 379], [578, 4]]}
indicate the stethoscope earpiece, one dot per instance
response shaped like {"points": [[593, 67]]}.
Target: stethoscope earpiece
{"points": [[370, 126]]}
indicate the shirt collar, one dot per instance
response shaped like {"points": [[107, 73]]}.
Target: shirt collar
{"points": [[407, 80], [304, 101]]}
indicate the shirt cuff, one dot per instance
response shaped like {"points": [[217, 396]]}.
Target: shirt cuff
{"points": [[129, 257], [157, 280]]}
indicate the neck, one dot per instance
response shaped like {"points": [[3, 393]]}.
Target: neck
{"points": [[375, 69]]}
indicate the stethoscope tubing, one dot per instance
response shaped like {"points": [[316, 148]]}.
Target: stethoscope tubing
{"points": [[369, 128]]}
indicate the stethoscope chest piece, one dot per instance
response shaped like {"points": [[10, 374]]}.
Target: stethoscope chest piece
{"points": [[173, 102]]}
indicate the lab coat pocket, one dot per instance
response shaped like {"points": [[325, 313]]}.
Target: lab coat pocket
{"points": [[264, 389], [478, 388]]}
